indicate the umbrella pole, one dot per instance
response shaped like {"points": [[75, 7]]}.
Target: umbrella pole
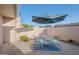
{"points": [[46, 33]]}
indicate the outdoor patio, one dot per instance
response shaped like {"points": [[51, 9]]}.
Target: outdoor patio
{"points": [[67, 49]]}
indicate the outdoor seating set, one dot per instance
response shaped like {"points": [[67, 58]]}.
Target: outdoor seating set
{"points": [[47, 44]]}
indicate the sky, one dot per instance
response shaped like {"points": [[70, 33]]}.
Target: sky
{"points": [[26, 11]]}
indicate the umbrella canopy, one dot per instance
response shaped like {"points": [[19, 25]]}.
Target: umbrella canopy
{"points": [[48, 19]]}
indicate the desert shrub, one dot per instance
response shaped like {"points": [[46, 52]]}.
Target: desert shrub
{"points": [[26, 25], [24, 38]]}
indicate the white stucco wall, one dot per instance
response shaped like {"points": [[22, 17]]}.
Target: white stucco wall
{"points": [[8, 10], [66, 33], [9, 26], [13, 33], [8, 20]]}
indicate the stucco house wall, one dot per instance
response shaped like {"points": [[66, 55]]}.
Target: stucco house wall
{"points": [[8, 10], [13, 33], [66, 33], [8, 20], [9, 26]]}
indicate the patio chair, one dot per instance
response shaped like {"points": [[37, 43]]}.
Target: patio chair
{"points": [[55, 41], [39, 41]]}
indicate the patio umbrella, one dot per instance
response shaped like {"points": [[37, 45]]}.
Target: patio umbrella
{"points": [[48, 19]]}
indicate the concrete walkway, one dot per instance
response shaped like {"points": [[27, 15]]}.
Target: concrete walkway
{"points": [[9, 49], [25, 47]]}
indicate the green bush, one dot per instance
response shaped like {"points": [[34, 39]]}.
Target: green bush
{"points": [[26, 25], [24, 38]]}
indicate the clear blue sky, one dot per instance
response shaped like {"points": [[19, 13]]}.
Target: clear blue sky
{"points": [[29, 10]]}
